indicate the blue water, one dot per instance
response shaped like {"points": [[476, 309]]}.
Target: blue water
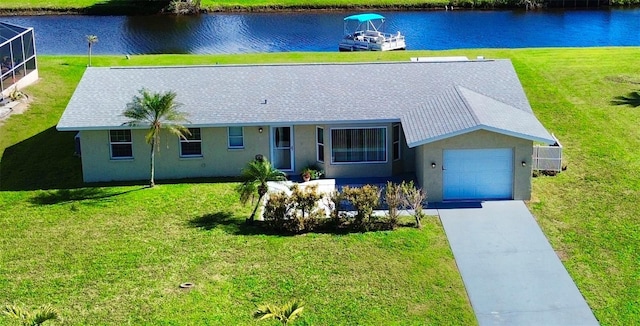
{"points": [[281, 32]]}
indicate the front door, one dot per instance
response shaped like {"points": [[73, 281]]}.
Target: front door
{"points": [[282, 148]]}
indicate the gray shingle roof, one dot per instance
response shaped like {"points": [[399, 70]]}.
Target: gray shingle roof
{"points": [[422, 94], [460, 110]]}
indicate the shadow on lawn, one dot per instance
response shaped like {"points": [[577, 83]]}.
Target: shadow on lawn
{"points": [[43, 161], [70, 195], [632, 99], [230, 224]]}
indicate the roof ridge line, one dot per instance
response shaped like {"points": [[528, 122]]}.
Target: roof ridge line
{"points": [[467, 105], [494, 99]]}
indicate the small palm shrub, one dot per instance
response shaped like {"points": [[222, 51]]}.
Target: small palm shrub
{"points": [[284, 314], [31, 318]]}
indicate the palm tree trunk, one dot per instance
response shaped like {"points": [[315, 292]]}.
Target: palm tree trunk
{"points": [[89, 54], [255, 209], [153, 158]]}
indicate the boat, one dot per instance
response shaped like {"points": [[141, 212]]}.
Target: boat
{"points": [[363, 32]]}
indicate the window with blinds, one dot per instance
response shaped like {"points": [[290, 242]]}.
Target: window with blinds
{"points": [[355, 145]]}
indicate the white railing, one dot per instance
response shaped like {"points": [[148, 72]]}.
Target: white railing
{"points": [[548, 158]]}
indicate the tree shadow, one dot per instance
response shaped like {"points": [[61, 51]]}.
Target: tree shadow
{"points": [[127, 7], [70, 195], [230, 224], [632, 99], [43, 161]]}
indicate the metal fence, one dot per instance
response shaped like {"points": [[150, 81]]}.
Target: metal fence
{"points": [[548, 158]]}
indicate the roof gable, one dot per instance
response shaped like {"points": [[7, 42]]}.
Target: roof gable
{"points": [[461, 110]]}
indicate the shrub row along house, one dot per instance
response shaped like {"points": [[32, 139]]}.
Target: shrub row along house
{"points": [[465, 129]]}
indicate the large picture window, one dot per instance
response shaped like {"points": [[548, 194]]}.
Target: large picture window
{"points": [[359, 145], [236, 137], [320, 144], [120, 143], [192, 145]]}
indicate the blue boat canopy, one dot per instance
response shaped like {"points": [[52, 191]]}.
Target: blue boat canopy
{"points": [[364, 17]]}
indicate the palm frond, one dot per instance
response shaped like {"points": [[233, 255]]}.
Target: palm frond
{"points": [[292, 310], [43, 314], [285, 314], [16, 312], [247, 191], [35, 318], [267, 311]]}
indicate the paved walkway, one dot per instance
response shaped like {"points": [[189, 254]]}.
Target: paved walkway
{"points": [[511, 273]]}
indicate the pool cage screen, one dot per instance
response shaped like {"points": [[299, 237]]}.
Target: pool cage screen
{"points": [[18, 54]]}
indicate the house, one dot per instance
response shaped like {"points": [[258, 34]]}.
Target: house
{"points": [[464, 128], [18, 66]]}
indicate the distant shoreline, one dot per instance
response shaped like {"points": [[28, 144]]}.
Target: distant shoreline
{"points": [[145, 10]]}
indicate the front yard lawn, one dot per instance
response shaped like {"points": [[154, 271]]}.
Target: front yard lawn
{"points": [[117, 255]]}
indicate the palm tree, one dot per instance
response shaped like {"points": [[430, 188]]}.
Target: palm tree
{"points": [[285, 314], [34, 318], [158, 111], [255, 176], [91, 40]]}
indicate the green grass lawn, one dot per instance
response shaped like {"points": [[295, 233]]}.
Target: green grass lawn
{"points": [[116, 254], [213, 4]]}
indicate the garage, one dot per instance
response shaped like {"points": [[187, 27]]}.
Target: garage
{"points": [[477, 174]]}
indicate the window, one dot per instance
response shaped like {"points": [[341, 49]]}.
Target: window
{"points": [[236, 137], [192, 145], [396, 142], [120, 143], [320, 144], [359, 145]]}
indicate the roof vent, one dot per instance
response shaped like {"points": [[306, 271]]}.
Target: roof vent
{"points": [[439, 59]]}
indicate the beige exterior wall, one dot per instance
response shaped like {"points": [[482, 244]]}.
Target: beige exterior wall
{"points": [[305, 147], [430, 179], [217, 159]]}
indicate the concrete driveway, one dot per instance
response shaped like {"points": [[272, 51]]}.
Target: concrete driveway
{"points": [[511, 273]]}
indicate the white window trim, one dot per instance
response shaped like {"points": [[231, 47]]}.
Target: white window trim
{"points": [[318, 144], [229, 146], [184, 140], [394, 142], [111, 143], [386, 149]]}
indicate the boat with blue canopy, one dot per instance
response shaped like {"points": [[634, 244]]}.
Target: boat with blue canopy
{"points": [[364, 32]]}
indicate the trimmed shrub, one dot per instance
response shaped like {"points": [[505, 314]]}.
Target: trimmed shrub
{"points": [[414, 198], [393, 197], [297, 213], [278, 211], [364, 200]]}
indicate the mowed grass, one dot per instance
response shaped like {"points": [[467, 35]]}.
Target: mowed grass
{"points": [[117, 255], [225, 4], [112, 255]]}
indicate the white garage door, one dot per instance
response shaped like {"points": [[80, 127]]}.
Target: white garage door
{"points": [[478, 174]]}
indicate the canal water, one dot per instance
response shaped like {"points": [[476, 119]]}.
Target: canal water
{"points": [[282, 32]]}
